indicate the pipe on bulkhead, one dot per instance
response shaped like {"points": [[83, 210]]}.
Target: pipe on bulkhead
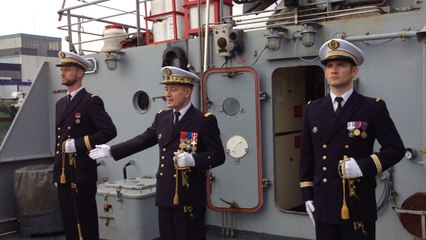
{"points": [[206, 36], [402, 35], [424, 101], [131, 162]]}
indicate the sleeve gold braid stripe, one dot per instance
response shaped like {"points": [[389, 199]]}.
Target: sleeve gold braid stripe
{"points": [[306, 184], [87, 142], [377, 163]]}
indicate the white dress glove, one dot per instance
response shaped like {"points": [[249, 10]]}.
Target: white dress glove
{"points": [[310, 209], [352, 169], [101, 151], [185, 160], [70, 146]]}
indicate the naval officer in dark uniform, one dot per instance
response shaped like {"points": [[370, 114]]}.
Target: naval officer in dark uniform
{"points": [[187, 139], [338, 165], [81, 123]]}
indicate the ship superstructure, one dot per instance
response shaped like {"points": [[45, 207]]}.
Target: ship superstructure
{"points": [[259, 67]]}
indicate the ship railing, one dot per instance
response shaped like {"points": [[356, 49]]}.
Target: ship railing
{"points": [[420, 213], [285, 16], [269, 18], [78, 28]]}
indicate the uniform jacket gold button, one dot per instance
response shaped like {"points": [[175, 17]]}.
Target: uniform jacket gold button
{"points": [[162, 165], [164, 149], [324, 146], [59, 129], [161, 174], [324, 157], [346, 146], [324, 180], [162, 157], [69, 128], [324, 169], [57, 152]]}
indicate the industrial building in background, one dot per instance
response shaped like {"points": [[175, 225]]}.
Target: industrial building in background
{"points": [[21, 56]]}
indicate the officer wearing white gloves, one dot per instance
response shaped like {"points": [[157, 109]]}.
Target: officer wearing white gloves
{"points": [[191, 138], [81, 123], [351, 169], [183, 159], [338, 165], [70, 146], [310, 209], [100, 151]]}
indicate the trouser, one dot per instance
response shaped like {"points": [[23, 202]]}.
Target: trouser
{"points": [[175, 224], [87, 211], [327, 231]]}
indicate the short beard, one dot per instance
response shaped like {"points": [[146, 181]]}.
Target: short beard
{"points": [[69, 83]]}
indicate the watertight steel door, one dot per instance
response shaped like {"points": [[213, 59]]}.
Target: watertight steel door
{"points": [[232, 95]]}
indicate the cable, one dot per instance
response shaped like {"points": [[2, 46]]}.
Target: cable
{"points": [[301, 58], [255, 61], [226, 62], [388, 191]]}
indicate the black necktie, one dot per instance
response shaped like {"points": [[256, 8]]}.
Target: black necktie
{"points": [[339, 105], [177, 114], [68, 99]]}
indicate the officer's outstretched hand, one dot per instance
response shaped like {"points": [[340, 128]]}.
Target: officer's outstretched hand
{"points": [[310, 209], [101, 151], [185, 160], [70, 146], [352, 169]]}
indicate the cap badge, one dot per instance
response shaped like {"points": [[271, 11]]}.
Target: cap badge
{"points": [[61, 54], [333, 44], [167, 72]]}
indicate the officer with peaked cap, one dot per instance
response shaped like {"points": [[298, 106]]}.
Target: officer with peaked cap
{"points": [[338, 165], [187, 138], [339, 49], [81, 123], [72, 59]]}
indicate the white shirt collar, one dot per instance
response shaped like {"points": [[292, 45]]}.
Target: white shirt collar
{"points": [[75, 92], [345, 97], [183, 110]]}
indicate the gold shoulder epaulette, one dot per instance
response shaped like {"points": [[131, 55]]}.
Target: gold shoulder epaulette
{"points": [[309, 102], [378, 99], [94, 95], [207, 114]]}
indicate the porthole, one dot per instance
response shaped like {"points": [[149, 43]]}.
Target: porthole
{"points": [[231, 106], [141, 101]]}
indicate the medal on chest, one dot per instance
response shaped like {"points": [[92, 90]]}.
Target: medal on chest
{"points": [[357, 129], [77, 117], [188, 141]]}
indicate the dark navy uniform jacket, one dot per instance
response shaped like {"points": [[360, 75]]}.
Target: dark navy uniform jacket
{"points": [[209, 154], [86, 121], [326, 140]]}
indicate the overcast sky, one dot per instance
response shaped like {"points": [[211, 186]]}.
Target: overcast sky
{"points": [[30, 16]]}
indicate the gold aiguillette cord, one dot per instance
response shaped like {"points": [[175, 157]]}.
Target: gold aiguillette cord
{"points": [[176, 197], [345, 209], [63, 179]]}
